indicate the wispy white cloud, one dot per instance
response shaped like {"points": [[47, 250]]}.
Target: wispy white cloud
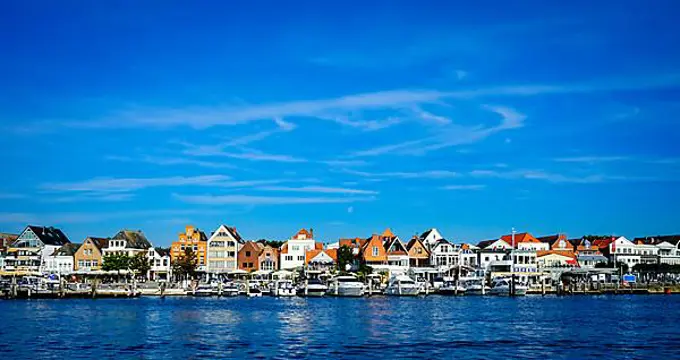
{"points": [[91, 197], [319, 189], [464, 187], [451, 135], [426, 174], [130, 184], [241, 153], [61, 218], [555, 177], [344, 163], [592, 159], [171, 161], [265, 200]]}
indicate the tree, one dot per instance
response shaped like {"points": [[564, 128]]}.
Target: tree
{"points": [[345, 257], [273, 243], [186, 264], [140, 264], [115, 262]]}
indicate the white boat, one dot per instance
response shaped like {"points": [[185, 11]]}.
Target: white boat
{"points": [[203, 290], [313, 288], [501, 287], [230, 289], [451, 288], [402, 285], [346, 285], [424, 287], [285, 288], [476, 287]]}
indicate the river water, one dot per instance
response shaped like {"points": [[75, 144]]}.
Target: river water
{"points": [[577, 327]]}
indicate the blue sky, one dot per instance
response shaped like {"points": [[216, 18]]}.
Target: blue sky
{"points": [[345, 117]]}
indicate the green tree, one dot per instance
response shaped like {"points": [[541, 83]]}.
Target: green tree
{"points": [[345, 257], [186, 264], [273, 243], [115, 262], [140, 264]]}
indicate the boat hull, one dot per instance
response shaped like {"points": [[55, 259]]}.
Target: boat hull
{"points": [[405, 291]]}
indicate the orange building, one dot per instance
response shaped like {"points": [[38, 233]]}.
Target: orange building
{"points": [[194, 239]]}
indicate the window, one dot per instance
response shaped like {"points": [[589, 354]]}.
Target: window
{"points": [[289, 257], [247, 253], [165, 262], [301, 258], [375, 251], [250, 265], [419, 251], [245, 265], [295, 248]]}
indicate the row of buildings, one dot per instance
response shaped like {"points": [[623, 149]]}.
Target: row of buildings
{"points": [[47, 250]]}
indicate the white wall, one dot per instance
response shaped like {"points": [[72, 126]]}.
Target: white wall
{"points": [[296, 253]]}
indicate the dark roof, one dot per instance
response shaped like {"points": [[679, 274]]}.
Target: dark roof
{"points": [[412, 242], [67, 250], [426, 234], [49, 235], [163, 251], [134, 239], [654, 240], [549, 239], [395, 242], [441, 241], [484, 243], [100, 243], [234, 233]]}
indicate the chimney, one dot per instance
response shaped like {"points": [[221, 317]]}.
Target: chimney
{"points": [[311, 233]]}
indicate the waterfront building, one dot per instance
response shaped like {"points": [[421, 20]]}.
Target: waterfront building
{"points": [[89, 255], [558, 242], [223, 248], [430, 237], [161, 268], [268, 259], [418, 253], [127, 242], [356, 244], [467, 255], [556, 262], [668, 247], [6, 239], [61, 261], [396, 252], [293, 251], [619, 250], [494, 244], [443, 255], [525, 241], [321, 259], [27, 254], [248, 256], [373, 254], [193, 239]]}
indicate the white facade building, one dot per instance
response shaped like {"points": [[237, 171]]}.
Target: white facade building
{"points": [[160, 269], [61, 261], [294, 250], [430, 237], [222, 253]]}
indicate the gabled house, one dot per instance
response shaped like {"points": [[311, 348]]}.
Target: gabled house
{"points": [[321, 260], [89, 256], [395, 249], [418, 253], [27, 254], [268, 259], [668, 247], [194, 239], [557, 242], [430, 237], [6, 240], [525, 241], [127, 242], [293, 251], [61, 260], [373, 252], [495, 244], [161, 268], [248, 256], [443, 255], [222, 250]]}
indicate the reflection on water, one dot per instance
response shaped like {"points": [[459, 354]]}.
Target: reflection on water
{"points": [[432, 327]]}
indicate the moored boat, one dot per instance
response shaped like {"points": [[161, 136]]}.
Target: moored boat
{"points": [[313, 288], [501, 287], [451, 288], [346, 285], [402, 285]]}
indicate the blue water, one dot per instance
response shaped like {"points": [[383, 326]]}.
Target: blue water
{"points": [[579, 327]]}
